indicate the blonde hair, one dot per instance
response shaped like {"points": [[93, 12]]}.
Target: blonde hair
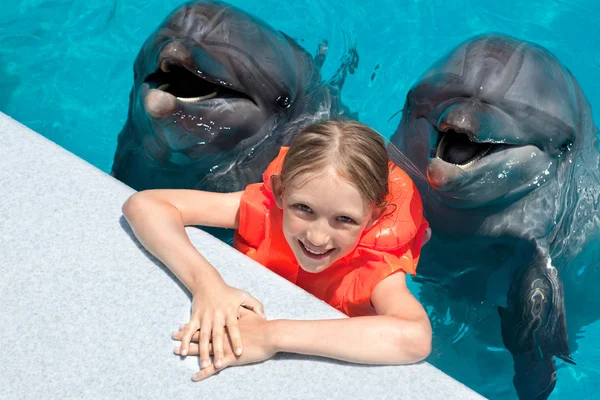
{"points": [[354, 150]]}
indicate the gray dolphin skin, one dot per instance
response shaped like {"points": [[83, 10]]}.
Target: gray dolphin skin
{"points": [[216, 93], [505, 156]]}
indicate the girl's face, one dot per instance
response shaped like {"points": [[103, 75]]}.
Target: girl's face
{"points": [[324, 217]]}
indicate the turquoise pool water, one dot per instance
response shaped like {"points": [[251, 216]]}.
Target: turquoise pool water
{"points": [[66, 72]]}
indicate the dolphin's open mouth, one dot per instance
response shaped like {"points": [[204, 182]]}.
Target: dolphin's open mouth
{"points": [[187, 86], [460, 149]]}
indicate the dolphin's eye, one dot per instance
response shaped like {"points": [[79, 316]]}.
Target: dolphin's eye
{"points": [[283, 102]]}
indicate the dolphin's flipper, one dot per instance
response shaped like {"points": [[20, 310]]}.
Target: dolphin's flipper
{"points": [[534, 328], [534, 378]]}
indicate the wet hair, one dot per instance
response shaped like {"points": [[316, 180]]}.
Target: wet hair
{"points": [[355, 151]]}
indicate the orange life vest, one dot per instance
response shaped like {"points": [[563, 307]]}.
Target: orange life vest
{"points": [[392, 244]]}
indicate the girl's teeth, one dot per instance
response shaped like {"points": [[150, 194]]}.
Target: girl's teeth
{"points": [[315, 252]]}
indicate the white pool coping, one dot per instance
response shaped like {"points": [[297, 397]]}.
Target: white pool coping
{"points": [[86, 313]]}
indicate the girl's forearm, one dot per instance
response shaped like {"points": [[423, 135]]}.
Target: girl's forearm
{"points": [[371, 340], [160, 229]]}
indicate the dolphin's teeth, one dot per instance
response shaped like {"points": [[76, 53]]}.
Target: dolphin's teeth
{"points": [[164, 66], [195, 99], [164, 87], [467, 165], [477, 158], [441, 146]]}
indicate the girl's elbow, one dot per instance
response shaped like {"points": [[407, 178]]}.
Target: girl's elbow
{"points": [[415, 343], [137, 203], [133, 203], [422, 347]]}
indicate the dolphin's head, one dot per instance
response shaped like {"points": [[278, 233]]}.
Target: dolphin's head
{"points": [[210, 78], [490, 122]]}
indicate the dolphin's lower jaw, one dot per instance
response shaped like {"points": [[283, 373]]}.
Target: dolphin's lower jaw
{"points": [[206, 157], [197, 130], [204, 167]]}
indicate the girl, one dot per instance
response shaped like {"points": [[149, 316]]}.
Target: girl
{"points": [[332, 215]]}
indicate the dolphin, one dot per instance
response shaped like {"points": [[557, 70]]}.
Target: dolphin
{"points": [[216, 92], [504, 151]]}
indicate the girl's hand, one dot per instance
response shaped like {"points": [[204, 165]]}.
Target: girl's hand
{"points": [[259, 347], [214, 309]]}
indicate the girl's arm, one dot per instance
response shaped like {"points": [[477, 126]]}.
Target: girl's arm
{"points": [[158, 218], [399, 334]]}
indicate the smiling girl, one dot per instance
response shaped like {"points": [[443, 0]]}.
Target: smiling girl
{"points": [[334, 216]]}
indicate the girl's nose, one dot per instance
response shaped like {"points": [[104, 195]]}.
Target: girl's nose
{"points": [[318, 235]]}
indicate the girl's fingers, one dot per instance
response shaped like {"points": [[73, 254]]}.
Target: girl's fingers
{"points": [[251, 303], [204, 373], [211, 370], [205, 336], [217, 340], [234, 335], [194, 350], [231, 332], [177, 335], [188, 332]]}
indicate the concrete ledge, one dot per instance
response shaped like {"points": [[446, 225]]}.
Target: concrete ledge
{"points": [[85, 313]]}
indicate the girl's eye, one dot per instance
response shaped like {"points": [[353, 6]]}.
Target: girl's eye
{"points": [[346, 220], [303, 207]]}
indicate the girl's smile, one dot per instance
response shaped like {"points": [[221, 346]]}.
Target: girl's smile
{"points": [[315, 253]]}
